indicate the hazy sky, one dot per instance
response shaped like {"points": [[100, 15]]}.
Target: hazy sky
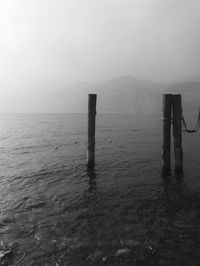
{"points": [[60, 41]]}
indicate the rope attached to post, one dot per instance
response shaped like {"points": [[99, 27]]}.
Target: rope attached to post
{"points": [[195, 129]]}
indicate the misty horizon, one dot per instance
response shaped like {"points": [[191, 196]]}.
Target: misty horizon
{"points": [[49, 45]]}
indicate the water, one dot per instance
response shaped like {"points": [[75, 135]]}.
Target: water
{"points": [[54, 211]]}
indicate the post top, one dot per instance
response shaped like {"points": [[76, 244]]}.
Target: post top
{"points": [[171, 94]]}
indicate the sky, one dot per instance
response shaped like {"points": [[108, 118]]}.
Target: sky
{"points": [[48, 42]]}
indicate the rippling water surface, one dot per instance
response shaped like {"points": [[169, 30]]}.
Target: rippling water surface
{"points": [[54, 211]]}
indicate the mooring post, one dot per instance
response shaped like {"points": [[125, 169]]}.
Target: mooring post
{"points": [[166, 148], [91, 130], [177, 132]]}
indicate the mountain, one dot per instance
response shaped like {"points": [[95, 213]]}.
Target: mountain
{"points": [[125, 94], [194, 78], [128, 94]]}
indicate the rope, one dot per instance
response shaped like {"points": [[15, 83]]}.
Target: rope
{"points": [[195, 129]]}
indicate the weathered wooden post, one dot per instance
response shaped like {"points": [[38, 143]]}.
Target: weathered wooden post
{"points": [[177, 132], [91, 130], [166, 148]]}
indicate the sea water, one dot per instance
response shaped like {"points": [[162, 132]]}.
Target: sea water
{"points": [[54, 211]]}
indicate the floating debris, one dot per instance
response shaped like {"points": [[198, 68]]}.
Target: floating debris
{"points": [[123, 252], [104, 258], [37, 236], [94, 257], [145, 251]]}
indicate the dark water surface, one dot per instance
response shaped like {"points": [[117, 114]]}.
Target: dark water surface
{"points": [[54, 211]]}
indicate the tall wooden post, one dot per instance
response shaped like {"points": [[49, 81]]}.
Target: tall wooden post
{"points": [[166, 148], [91, 130], [177, 132]]}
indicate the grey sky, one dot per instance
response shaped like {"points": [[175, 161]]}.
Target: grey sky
{"points": [[73, 40]]}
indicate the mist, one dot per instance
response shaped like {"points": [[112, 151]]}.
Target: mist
{"points": [[48, 45]]}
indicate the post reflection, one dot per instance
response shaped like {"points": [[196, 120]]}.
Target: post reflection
{"points": [[175, 194], [91, 179], [181, 213], [90, 232], [166, 174]]}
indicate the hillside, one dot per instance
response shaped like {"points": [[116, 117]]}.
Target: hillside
{"points": [[125, 94]]}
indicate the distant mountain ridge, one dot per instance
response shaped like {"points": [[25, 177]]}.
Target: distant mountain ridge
{"points": [[194, 78], [125, 94]]}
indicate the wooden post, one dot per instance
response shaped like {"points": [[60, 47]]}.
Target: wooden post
{"points": [[91, 130], [177, 132], [166, 148]]}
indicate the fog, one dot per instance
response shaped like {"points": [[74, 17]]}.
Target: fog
{"points": [[49, 44]]}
